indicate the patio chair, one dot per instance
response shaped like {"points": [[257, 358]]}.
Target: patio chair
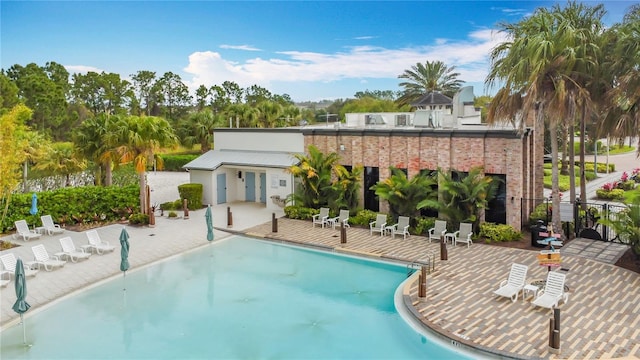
{"points": [[69, 250], [41, 257], [9, 263], [49, 226], [378, 225], [342, 218], [553, 291], [515, 282], [22, 230], [464, 234], [4, 282], [402, 227], [95, 243], [436, 232], [322, 218]]}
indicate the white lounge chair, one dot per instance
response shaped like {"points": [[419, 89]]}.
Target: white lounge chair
{"points": [[322, 218], [553, 291], [515, 282], [22, 230], [9, 263], [342, 218], [402, 227], [69, 250], [41, 257], [378, 225], [464, 234], [49, 226], [4, 282], [439, 229], [95, 243]]}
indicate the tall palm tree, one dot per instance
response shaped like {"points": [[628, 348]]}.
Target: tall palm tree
{"points": [[143, 138], [545, 66], [198, 129], [428, 77], [62, 160]]}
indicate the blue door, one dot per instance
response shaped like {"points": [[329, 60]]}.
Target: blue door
{"points": [[250, 186], [263, 188], [221, 189]]}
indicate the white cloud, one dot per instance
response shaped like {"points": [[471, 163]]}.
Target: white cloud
{"points": [[469, 56], [81, 69], [240, 47], [364, 37]]}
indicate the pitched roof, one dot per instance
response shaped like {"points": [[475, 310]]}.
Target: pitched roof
{"points": [[432, 98], [213, 159]]}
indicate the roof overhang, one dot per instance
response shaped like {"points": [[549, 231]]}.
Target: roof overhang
{"points": [[213, 159]]}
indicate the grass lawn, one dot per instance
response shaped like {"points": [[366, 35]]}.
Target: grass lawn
{"points": [[564, 180], [602, 150], [629, 195]]}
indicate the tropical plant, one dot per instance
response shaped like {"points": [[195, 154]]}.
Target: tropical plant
{"points": [[198, 129], [626, 224], [403, 194], [61, 160], [428, 77], [462, 197]]}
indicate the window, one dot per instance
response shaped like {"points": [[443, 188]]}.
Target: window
{"points": [[371, 177], [497, 211]]}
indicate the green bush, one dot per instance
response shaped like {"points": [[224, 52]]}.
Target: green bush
{"points": [[175, 162], [423, 224], [602, 167], [173, 214], [139, 219], [539, 213], [363, 218], [498, 232], [300, 212], [193, 193], [628, 185], [615, 194], [171, 205]]}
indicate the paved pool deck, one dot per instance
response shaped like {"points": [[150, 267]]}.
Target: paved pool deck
{"points": [[600, 321]]}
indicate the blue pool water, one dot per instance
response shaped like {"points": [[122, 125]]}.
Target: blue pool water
{"points": [[236, 299]]}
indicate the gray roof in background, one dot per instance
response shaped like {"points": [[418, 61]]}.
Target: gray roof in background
{"points": [[433, 98], [213, 159]]}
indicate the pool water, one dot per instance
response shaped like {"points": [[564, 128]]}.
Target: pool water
{"points": [[236, 299]]}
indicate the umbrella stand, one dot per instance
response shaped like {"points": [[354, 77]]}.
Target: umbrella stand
{"points": [[24, 331]]}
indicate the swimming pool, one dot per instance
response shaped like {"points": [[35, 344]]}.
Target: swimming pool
{"points": [[238, 298]]}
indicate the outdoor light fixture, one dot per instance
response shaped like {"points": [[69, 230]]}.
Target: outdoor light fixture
{"points": [[341, 147]]}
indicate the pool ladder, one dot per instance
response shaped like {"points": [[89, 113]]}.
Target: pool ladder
{"points": [[429, 260]]}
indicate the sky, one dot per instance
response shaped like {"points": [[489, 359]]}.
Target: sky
{"points": [[310, 50]]}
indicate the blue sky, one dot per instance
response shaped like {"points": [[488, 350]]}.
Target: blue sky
{"points": [[309, 50]]}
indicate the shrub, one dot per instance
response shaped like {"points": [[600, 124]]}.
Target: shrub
{"points": [[498, 232], [175, 162], [363, 218], [139, 219], [300, 212], [173, 214], [193, 193], [423, 224], [171, 205], [614, 194], [628, 185]]}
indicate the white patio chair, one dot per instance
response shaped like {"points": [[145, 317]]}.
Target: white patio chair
{"points": [[378, 225], [322, 218], [464, 234], [439, 229], [95, 243], [9, 263], [69, 250], [342, 218], [23, 231], [49, 226], [402, 227], [515, 282], [41, 257], [553, 291]]}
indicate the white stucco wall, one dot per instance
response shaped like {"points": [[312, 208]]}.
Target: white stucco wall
{"points": [[208, 188], [259, 141]]}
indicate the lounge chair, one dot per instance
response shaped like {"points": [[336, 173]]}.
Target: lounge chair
{"points": [[69, 250], [49, 226], [515, 282], [378, 225], [342, 218], [41, 257], [402, 227], [9, 263], [22, 230], [95, 243], [4, 282], [553, 291], [435, 233], [322, 218], [464, 234]]}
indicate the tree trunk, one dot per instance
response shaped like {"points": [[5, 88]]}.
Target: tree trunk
{"points": [[583, 177], [25, 169], [143, 193], [565, 158], [572, 165], [108, 174], [555, 191]]}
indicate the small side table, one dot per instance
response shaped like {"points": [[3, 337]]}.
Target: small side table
{"points": [[529, 290], [450, 237], [41, 230]]}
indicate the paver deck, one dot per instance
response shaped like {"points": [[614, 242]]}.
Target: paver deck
{"points": [[601, 319]]}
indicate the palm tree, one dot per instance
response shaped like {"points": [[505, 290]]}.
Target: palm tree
{"points": [[545, 67], [428, 77], [314, 171], [97, 139], [143, 138], [62, 160], [198, 129], [403, 194]]}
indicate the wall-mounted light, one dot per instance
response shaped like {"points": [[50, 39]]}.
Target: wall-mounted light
{"points": [[513, 199], [341, 147], [239, 174]]}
